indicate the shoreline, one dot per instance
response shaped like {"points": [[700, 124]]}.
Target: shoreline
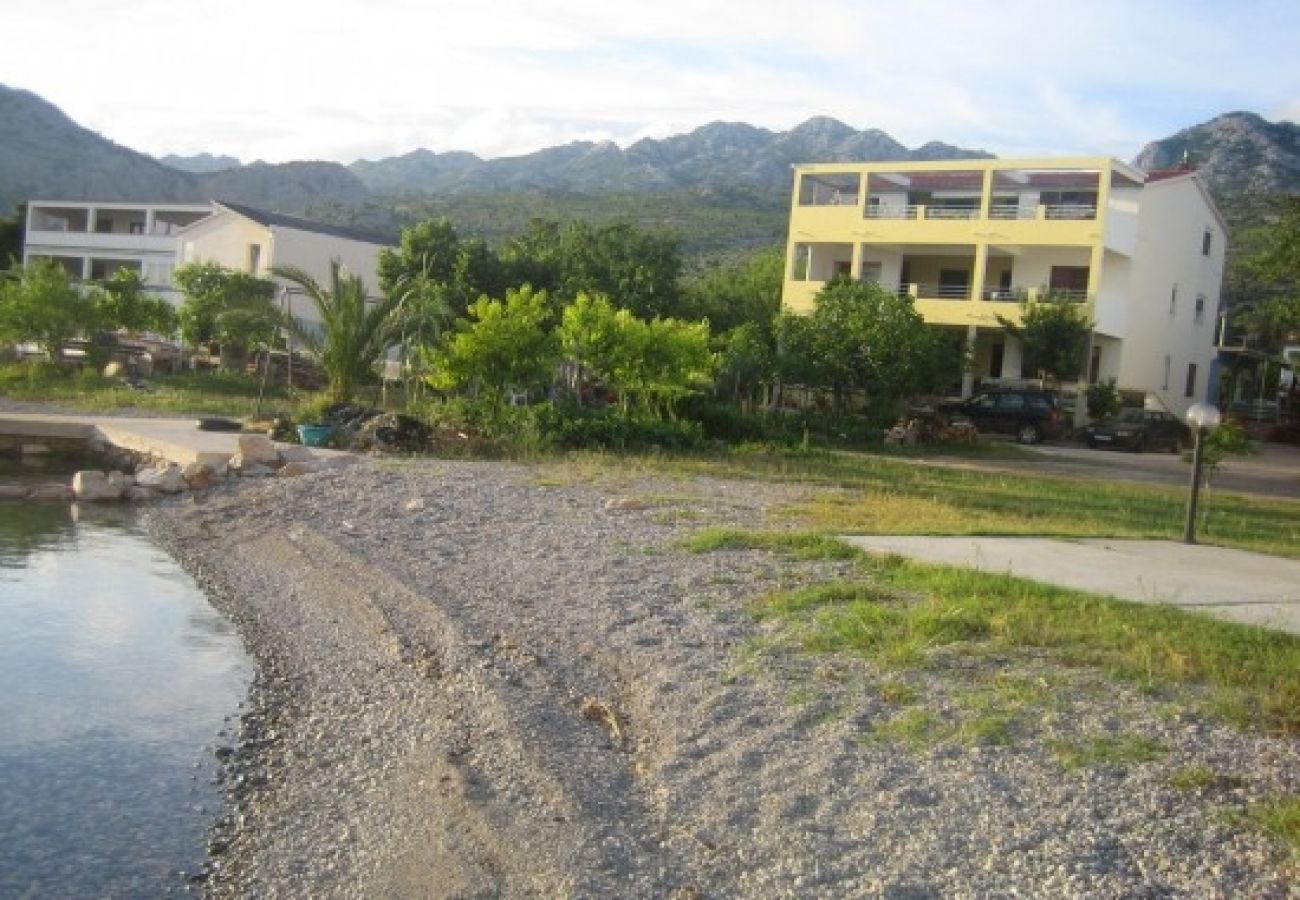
{"points": [[486, 679]]}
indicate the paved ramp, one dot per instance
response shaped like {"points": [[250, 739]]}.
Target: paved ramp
{"points": [[175, 440], [1229, 584]]}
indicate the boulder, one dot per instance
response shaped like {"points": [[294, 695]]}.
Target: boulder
{"points": [[249, 469], [296, 453], [165, 479], [92, 485], [199, 475], [140, 494], [257, 448]]}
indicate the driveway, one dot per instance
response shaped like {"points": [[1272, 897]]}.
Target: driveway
{"points": [[1273, 471]]}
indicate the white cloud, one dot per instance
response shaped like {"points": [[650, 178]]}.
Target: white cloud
{"points": [[282, 79]]}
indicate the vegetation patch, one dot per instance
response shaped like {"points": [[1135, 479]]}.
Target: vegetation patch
{"points": [[902, 614], [1107, 750], [1279, 818]]}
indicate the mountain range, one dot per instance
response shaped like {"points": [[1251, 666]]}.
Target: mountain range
{"points": [[45, 154]]}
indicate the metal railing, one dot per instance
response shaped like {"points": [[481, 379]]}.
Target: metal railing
{"points": [[1070, 212], [935, 291], [892, 212], [952, 212]]}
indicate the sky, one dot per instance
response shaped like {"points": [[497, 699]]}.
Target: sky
{"points": [[342, 80]]}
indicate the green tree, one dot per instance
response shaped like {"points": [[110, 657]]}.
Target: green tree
{"points": [[228, 307], [122, 303], [1053, 336], [590, 337], [639, 270], [441, 268], [503, 346], [740, 293], [860, 337], [747, 360], [40, 303], [12, 233], [354, 331], [1270, 323]]}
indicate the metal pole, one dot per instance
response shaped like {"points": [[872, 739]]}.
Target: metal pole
{"points": [[1198, 456]]}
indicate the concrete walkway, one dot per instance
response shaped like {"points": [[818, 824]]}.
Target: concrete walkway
{"points": [[1229, 584], [175, 440]]}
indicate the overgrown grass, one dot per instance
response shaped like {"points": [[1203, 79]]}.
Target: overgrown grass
{"points": [[901, 613], [215, 393], [870, 494]]}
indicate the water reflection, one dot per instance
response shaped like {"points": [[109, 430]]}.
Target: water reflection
{"points": [[117, 675]]}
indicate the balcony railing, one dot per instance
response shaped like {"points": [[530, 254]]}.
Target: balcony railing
{"points": [[934, 291], [1058, 212], [1019, 294], [892, 212], [952, 212]]}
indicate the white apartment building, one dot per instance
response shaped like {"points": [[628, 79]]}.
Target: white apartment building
{"points": [[94, 240], [969, 240], [253, 240]]}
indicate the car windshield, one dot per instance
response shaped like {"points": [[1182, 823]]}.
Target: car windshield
{"points": [[1130, 415]]}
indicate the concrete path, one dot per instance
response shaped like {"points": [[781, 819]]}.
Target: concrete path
{"points": [[176, 440], [1228, 584]]}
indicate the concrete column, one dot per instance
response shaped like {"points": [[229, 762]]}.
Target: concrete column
{"points": [[148, 221], [968, 376], [979, 270], [855, 267]]}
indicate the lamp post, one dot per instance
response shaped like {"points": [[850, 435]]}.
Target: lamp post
{"points": [[1202, 418]]}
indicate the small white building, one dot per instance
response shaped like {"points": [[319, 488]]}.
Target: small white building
{"points": [[93, 240], [253, 240]]}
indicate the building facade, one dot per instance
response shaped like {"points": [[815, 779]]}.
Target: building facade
{"points": [[970, 240], [254, 241], [94, 240]]}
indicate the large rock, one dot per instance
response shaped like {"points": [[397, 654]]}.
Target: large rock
{"points": [[165, 479], [257, 448], [296, 453], [199, 475], [92, 485]]}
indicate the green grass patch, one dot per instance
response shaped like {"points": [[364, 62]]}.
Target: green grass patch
{"points": [[1280, 819], [900, 613], [1108, 750], [870, 493], [915, 728], [802, 545], [1200, 778], [189, 393]]}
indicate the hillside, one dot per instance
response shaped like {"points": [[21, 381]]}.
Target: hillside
{"points": [[724, 186], [43, 153]]}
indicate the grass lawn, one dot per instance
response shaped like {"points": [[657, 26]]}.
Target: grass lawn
{"points": [[868, 493], [214, 393]]}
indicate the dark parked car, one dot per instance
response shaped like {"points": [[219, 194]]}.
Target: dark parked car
{"points": [[1138, 429], [1031, 415]]}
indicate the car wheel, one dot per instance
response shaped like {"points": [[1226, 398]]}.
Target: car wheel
{"points": [[1028, 433]]}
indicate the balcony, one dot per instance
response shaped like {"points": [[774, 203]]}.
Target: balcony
{"points": [[920, 291], [1031, 295], [1071, 212]]}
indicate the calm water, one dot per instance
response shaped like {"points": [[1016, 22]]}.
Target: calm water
{"points": [[116, 678]]}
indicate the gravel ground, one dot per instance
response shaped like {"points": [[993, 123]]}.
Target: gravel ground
{"points": [[493, 680]]}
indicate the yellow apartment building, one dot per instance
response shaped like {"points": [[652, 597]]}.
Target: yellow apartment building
{"points": [[969, 240]]}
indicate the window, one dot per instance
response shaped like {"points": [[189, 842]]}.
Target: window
{"points": [[1011, 402], [1069, 282], [954, 284], [1173, 300], [1164, 384], [254, 257], [1207, 240], [829, 189], [1200, 309], [1189, 390], [872, 271]]}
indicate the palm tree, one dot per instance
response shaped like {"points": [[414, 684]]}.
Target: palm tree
{"points": [[355, 331]]}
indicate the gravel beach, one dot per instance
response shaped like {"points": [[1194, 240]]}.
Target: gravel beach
{"points": [[499, 680]]}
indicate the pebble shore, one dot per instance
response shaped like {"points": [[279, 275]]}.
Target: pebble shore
{"points": [[495, 680]]}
